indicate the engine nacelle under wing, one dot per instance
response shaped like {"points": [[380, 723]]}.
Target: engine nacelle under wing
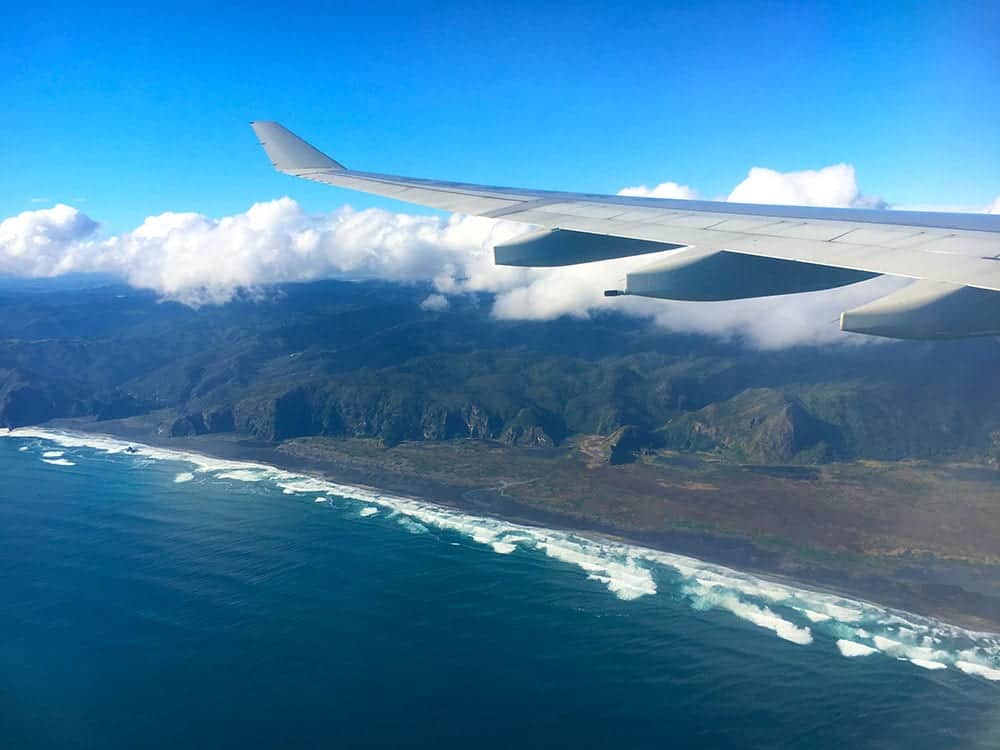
{"points": [[716, 275], [928, 310], [562, 247]]}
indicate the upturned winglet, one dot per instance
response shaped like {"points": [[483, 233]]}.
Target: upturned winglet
{"points": [[289, 153]]}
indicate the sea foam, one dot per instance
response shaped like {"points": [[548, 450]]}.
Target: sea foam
{"points": [[629, 572], [979, 669], [715, 597], [851, 649], [928, 664]]}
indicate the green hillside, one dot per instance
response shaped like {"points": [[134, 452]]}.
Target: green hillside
{"points": [[364, 360]]}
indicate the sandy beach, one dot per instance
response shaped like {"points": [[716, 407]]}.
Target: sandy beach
{"points": [[959, 585]]}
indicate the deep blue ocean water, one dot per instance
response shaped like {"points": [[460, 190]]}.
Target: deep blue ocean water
{"points": [[149, 602]]}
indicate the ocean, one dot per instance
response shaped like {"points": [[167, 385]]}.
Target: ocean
{"points": [[160, 600]]}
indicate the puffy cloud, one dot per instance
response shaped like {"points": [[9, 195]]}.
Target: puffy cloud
{"points": [[834, 186], [435, 302], [773, 322], [663, 190], [38, 243], [994, 207], [199, 260]]}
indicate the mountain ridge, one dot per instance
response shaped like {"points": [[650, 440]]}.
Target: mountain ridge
{"points": [[364, 360]]}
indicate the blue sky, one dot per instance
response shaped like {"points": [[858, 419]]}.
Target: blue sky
{"points": [[127, 113]]}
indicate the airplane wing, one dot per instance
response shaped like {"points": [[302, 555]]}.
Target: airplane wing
{"points": [[712, 251]]}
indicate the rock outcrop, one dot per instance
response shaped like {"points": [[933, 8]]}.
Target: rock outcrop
{"points": [[758, 426]]}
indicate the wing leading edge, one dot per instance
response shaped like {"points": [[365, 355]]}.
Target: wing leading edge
{"points": [[717, 250]]}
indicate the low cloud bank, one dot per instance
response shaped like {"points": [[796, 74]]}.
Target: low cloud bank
{"points": [[834, 186], [197, 260], [663, 190]]}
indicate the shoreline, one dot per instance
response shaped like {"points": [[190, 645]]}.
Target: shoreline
{"points": [[803, 615], [943, 590]]}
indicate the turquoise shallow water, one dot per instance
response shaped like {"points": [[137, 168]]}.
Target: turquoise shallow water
{"points": [[163, 600]]}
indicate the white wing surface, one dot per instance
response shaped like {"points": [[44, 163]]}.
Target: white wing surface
{"points": [[722, 250]]}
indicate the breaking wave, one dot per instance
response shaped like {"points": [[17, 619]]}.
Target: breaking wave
{"points": [[851, 648], [796, 615]]}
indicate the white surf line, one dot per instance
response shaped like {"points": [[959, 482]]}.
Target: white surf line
{"points": [[629, 571], [58, 461], [978, 669], [852, 649]]}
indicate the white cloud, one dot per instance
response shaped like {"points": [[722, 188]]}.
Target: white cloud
{"points": [[435, 303], [200, 260], [993, 208], [663, 190], [774, 322], [38, 243], [834, 186]]}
